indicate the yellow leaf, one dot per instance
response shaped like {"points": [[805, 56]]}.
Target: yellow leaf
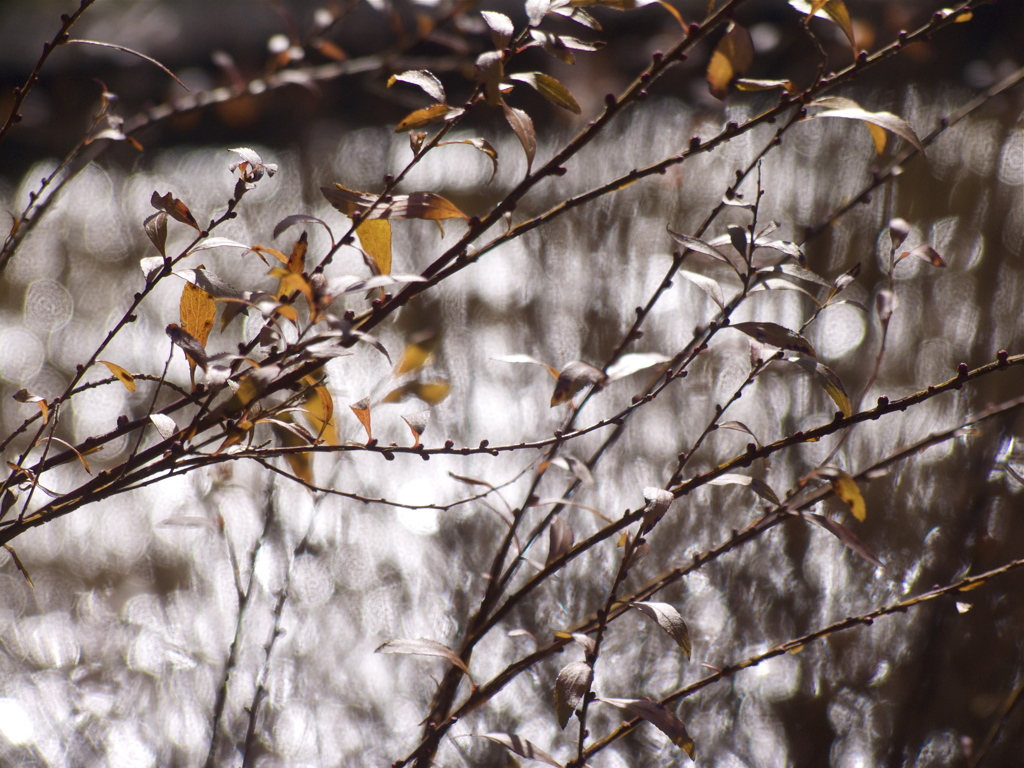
{"points": [[878, 136], [846, 488], [375, 237], [259, 250], [301, 463], [198, 310], [422, 117], [290, 281], [122, 375], [320, 409], [297, 259], [732, 57]]}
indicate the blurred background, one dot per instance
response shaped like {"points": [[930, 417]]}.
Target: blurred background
{"points": [[116, 655]]}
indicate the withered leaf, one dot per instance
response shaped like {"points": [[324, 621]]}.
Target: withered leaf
{"points": [[662, 718], [424, 647], [423, 79], [300, 218], [833, 10], [522, 747], [430, 392], [560, 540], [427, 116], [251, 167], [375, 237], [829, 381], [837, 106], [926, 253], [174, 208], [319, 408], [776, 336], [574, 377], [156, 231], [571, 686], [188, 343], [362, 412], [846, 536], [417, 423], [732, 58], [418, 205], [522, 125], [668, 618], [24, 396], [121, 374], [198, 310]]}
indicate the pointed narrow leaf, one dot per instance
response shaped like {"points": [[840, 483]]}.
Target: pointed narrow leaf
{"points": [[633, 362], [886, 120], [218, 242], [24, 396], [758, 486], [424, 647], [668, 618], [300, 218], [522, 125], [926, 253], [550, 89], [121, 374], [846, 536], [663, 719], [427, 116], [174, 208], [706, 284], [418, 205], [417, 423], [156, 231], [829, 381], [846, 488], [571, 686], [765, 85], [833, 10], [481, 144], [699, 246], [198, 310], [776, 336], [526, 359], [560, 540], [423, 79], [522, 747], [362, 412]]}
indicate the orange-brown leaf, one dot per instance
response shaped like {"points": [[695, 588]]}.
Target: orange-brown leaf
{"points": [[732, 58], [174, 208]]}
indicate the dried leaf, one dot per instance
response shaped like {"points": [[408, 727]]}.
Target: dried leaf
{"points": [[846, 108], [833, 10], [758, 486], [574, 377], [560, 540], [776, 336], [522, 125], [430, 392], [375, 237], [846, 488], [428, 116], [24, 396], [550, 89], [571, 685], [156, 231], [418, 205], [319, 408], [132, 52], [765, 85], [362, 412], [425, 647], [663, 719], [829, 381], [732, 58], [528, 360], [926, 253], [251, 167], [658, 502], [522, 747], [481, 144], [706, 284], [121, 374], [164, 424], [198, 310], [668, 619], [417, 423], [300, 218], [846, 536], [220, 242], [423, 79], [174, 208]]}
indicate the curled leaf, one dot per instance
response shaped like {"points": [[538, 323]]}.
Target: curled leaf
{"points": [[174, 208], [847, 108], [658, 502], [574, 377], [571, 686], [668, 618], [423, 79], [418, 205], [776, 336], [662, 718], [428, 116], [732, 58], [425, 647], [156, 231]]}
